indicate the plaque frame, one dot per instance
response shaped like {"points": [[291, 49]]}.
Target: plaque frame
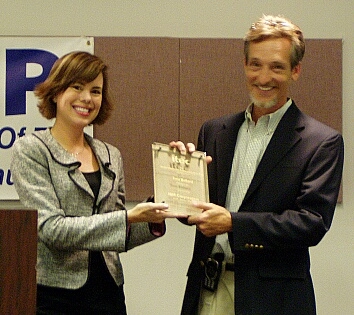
{"points": [[179, 179]]}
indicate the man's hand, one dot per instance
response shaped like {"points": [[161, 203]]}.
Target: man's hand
{"points": [[214, 219], [186, 148], [183, 148]]}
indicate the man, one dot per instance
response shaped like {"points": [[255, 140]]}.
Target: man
{"points": [[274, 180]]}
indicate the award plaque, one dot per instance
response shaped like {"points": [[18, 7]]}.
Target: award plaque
{"points": [[179, 179]]}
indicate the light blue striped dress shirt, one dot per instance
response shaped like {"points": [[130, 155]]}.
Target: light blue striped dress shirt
{"points": [[252, 141]]}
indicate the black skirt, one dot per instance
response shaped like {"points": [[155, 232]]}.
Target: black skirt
{"points": [[99, 295]]}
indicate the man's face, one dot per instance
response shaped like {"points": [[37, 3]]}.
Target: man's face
{"points": [[269, 74]]}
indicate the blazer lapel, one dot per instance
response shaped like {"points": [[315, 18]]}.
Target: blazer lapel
{"points": [[225, 148], [64, 158], [107, 174], [285, 137]]}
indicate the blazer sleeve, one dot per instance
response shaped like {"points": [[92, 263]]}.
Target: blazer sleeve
{"points": [[34, 184]]}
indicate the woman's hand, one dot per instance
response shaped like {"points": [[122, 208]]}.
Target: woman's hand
{"points": [[151, 212]]}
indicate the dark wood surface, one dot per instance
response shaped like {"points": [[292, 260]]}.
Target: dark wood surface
{"points": [[18, 255]]}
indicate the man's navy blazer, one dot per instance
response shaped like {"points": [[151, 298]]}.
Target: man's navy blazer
{"points": [[288, 207]]}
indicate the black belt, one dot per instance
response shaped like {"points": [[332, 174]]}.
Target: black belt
{"points": [[230, 267]]}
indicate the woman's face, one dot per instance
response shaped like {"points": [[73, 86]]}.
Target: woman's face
{"points": [[80, 103]]}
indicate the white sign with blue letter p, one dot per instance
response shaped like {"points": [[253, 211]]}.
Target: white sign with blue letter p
{"points": [[25, 62]]}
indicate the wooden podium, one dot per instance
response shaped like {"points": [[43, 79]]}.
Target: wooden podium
{"points": [[18, 255]]}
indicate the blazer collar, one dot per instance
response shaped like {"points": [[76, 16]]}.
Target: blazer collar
{"points": [[61, 156], [65, 158]]}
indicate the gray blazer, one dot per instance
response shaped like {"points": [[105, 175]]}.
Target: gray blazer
{"points": [[70, 222]]}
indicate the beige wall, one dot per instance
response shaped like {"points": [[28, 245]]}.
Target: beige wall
{"points": [[155, 273]]}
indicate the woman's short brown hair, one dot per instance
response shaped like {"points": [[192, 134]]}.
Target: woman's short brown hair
{"points": [[269, 26], [74, 67]]}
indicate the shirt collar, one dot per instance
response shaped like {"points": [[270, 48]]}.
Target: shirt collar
{"points": [[272, 119]]}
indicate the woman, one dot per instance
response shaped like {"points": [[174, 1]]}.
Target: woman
{"points": [[76, 183]]}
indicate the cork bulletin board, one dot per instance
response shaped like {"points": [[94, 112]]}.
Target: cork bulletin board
{"points": [[165, 88]]}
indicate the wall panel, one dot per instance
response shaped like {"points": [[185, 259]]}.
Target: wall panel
{"points": [[165, 88], [144, 80], [213, 83]]}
